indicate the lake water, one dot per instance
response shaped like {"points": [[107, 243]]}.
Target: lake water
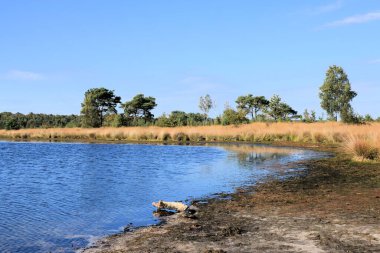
{"points": [[58, 197]]}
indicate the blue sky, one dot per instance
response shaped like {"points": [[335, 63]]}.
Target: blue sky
{"points": [[53, 51]]}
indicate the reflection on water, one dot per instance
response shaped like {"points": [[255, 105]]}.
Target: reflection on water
{"points": [[58, 196], [259, 155], [261, 149]]}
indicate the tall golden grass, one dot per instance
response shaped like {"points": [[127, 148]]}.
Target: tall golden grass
{"points": [[320, 132]]}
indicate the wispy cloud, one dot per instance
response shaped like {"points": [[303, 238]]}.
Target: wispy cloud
{"points": [[23, 75], [357, 19], [377, 61], [333, 6]]}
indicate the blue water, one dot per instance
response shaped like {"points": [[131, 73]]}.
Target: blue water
{"points": [[57, 197]]}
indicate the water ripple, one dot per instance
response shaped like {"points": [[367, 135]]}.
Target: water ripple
{"points": [[58, 196]]}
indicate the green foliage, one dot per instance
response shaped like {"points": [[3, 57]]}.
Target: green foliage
{"points": [[97, 103], [336, 93], [309, 117], [89, 113], [232, 117], [368, 118], [347, 115], [16, 121], [138, 110], [251, 104], [206, 104], [163, 121], [278, 110], [113, 120], [194, 119], [179, 118], [99, 109]]}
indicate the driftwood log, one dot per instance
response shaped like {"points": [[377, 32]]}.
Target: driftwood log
{"points": [[185, 210], [178, 206]]}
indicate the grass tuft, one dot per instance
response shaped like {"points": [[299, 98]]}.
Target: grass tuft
{"points": [[362, 149]]}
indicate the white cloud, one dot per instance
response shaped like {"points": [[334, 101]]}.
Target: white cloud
{"points": [[357, 19], [23, 75], [328, 7]]}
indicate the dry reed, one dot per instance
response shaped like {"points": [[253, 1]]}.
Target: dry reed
{"points": [[320, 132], [363, 148]]}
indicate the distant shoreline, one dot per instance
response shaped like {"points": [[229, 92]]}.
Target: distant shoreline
{"points": [[361, 141], [322, 133]]}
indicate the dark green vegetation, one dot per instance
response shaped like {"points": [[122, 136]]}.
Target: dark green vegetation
{"points": [[100, 108], [98, 103], [138, 110], [252, 105], [17, 120], [179, 118]]}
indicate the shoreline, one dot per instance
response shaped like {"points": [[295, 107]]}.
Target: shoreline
{"points": [[291, 144], [321, 132], [332, 206]]}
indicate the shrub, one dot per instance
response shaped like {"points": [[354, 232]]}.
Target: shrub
{"points": [[181, 137], [319, 138], [362, 149], [231, 116], [166, 137]]}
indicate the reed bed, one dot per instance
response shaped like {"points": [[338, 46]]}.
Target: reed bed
{"points": [[353, 138]]}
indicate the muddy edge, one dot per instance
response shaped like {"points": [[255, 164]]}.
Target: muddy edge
{"points": [[333, 206]]}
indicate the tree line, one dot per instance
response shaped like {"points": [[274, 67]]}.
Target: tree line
{"points": [[100, 108], [18, 120]]}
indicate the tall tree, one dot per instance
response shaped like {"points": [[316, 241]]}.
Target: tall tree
{"points": [[335, 93], [96, 104], [279, 110], [140, 107], [206, 104], [251, 104]]}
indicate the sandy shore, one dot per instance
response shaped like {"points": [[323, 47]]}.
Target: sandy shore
{"points": [[333, 206]]}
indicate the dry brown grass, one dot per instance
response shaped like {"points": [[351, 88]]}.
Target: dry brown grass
{"points": [[363, 148], [328, 133]]}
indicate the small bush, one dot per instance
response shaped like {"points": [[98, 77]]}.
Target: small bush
{"points": [[197, 138], [166, 137], [211, 138], [366, 151], [319, 138], [142, 137], [181, 137]]}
